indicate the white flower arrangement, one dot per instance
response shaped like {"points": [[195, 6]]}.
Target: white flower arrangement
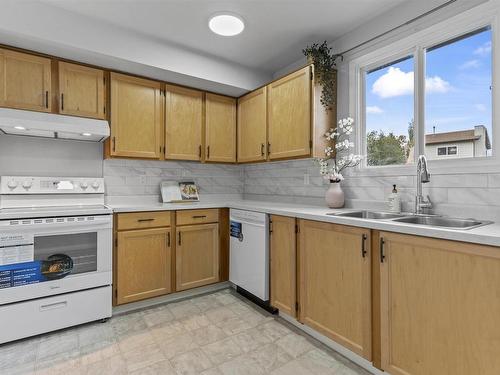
{"points": [[338, 157]]}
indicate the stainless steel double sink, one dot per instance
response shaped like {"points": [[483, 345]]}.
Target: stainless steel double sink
{"points": [[424, 220]]}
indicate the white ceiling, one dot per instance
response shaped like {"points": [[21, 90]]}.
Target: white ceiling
{"points": [[276, 30]]}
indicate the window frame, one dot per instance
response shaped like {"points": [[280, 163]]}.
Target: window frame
{"points": [[416, 45]]}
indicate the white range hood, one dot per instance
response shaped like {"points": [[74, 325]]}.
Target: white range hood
{"points": [[49, 125]]}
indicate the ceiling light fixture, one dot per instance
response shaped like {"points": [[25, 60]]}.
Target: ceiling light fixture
{"points": [[86, 134], [226, 24], [19, 127]]}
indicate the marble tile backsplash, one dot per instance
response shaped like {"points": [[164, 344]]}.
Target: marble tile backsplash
{"points": [[298, 181], [461, 195], [132, 178]]}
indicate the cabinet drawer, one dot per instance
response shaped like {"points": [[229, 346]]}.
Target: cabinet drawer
{"points": [[189, 217], [138, 220]]}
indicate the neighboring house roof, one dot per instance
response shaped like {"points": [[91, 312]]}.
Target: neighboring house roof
{"points": [[457, 136]]}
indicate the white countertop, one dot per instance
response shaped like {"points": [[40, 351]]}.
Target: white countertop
{"points": [[487, 234]]}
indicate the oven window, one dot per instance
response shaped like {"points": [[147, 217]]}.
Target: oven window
{"points": [[80, 247]]}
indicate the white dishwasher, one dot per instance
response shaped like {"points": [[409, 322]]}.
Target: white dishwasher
{"points": [[249, 254]]}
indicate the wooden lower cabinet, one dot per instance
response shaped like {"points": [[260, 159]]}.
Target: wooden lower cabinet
{"points": [[440, 304], [197, 255], [283, 264], [335, 283], [143, 264]]}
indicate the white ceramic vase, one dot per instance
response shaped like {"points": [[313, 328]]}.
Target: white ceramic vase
{"points": [[334, 196]]}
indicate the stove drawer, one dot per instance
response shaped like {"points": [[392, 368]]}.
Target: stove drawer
{"points": [[140, 220], [24, 319]]}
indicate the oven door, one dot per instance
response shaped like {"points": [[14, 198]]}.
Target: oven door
{"points": [[47, 256]]}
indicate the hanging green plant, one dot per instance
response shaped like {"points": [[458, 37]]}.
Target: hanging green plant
{"points": [[324, 70]]}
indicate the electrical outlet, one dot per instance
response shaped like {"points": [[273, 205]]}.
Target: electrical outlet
{"points": [[306, 179]]}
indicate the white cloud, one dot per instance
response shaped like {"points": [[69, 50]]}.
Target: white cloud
{"points": [[471, 64], [480, 107], [397, 83], [483, 50], [393, 83], [436, 85], [374, 110]]}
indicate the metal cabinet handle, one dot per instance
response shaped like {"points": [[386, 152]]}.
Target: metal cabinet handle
{"points": [[199, 151], [208, 152], [268, 148], [363, 246], [143, 220], [114, 144], [168, 239], [62, 102], [46, 99], [262, 145], [180, 238], [382, 252], [199, 216]]}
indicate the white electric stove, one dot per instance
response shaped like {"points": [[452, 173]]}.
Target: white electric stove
{"points": [[55, 254]]}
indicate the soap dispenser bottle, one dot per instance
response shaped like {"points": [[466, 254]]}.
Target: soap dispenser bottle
{"points": [[394, 200]]}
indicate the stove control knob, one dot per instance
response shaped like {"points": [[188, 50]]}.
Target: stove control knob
{"points": [[12, 184], [95, 185], [27, 184], [84, 185]]}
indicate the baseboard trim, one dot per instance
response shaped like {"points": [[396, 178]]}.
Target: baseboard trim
{"points": [[174, 297], [360, 361]]}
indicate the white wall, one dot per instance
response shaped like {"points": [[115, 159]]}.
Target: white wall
{"points": [[31, 156]]}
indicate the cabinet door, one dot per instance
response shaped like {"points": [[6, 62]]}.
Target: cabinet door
{"points": [[283, 253], [143, 264], [252, 126], [24, 81], [81, 91], [220, 128], [136, 117], [197, 256], [335, 274], [440, 303], [290, 112], [184, 123]]}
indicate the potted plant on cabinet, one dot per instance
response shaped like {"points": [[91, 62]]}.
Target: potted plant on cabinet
{"points": [[338, 155]]}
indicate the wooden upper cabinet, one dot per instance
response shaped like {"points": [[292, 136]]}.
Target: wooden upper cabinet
{"points": [[252, 126], [220, 128], [136, 117], [183, 123], [290, 115], [197, 255], [335, 283], [81, 91], [25, 81], [143, 264], [440, 303], [283, 254]]}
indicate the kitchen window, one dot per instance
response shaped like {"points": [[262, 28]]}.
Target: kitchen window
{"points": [[389, 98], [419, 94]]}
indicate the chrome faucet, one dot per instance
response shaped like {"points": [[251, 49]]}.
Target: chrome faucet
{"points": [[423, 176]]}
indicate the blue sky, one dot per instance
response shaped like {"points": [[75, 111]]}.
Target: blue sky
{"points": [[458, 96]]}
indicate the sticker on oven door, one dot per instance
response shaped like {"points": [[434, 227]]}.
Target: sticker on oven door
{"points": [[236, 230], [21, 274]]}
